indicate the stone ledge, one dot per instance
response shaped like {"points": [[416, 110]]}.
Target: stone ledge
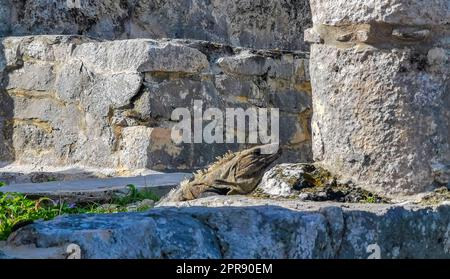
{"points": [[217, 227], [98, 189]]}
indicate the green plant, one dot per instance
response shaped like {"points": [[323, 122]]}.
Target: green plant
{"points": [[135, 195], [2, 183], [16, 209], [369, 199]]}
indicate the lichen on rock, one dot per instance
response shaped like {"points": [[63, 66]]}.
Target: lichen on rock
{"points": [[309, 182], [438, 196]]}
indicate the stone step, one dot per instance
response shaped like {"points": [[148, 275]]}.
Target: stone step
{"points": [[25, 173], [270, 229], [98, 189]]}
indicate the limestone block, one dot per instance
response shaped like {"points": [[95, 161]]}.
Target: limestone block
{"points": [[134, 147], [32, 76]]}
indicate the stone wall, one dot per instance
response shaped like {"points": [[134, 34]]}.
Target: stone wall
{"points": [[71, 100], [380, 74], [247, 23], [380, 77]]}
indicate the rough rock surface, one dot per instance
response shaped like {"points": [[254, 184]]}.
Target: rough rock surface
{"points": [[403, 12], [282, 180], [262, 24], [239, 227], [71, 100], [20, 173], [381, 92], [309, 182]]}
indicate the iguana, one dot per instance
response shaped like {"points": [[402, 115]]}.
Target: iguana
{"points": [[234, 173]]}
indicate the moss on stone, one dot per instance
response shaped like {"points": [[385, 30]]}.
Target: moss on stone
{"points": [[436, 197], [314, 183]]}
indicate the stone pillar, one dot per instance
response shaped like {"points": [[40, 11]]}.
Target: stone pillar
{"points": [[381, 92]]}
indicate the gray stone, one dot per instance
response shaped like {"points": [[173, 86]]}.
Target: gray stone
{"points": [[269, 24], [120, 96], [135, 140], [244, 64], [381, 104], [98, 189], [210, 228], [114, 56], [278, 181], [111, 91], [437, 57], [5, 17], [311, 36], [292, 101], [170, 57], [72, 80], [32, 77], [141, 56], [138, 236], [402, 12]]}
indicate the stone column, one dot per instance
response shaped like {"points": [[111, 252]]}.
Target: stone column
{"points": [[381, 92]]}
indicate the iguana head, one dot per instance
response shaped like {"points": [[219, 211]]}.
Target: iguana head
{"points": [[252, 163], [243, 171]]}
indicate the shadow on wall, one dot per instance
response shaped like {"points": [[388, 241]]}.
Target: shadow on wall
{"points": [[6, 114]]}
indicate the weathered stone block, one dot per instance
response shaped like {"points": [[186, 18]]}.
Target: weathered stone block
{"points": [[381, 103], [32, 76], [134, 144], [208, 228], [403, 12], [244, 64]]}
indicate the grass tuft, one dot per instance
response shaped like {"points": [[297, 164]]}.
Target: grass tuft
{"points": [[17, 209]]}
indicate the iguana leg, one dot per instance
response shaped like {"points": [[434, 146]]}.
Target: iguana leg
{"points": [[222, 187], [231, 188], [234, 192]]}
